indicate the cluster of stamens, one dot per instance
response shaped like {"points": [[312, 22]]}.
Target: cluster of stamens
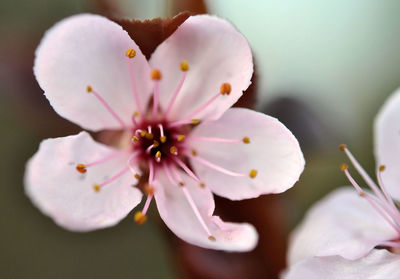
{"points": [[163, 145], [379, 198]]}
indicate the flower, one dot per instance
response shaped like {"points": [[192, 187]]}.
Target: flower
{"points": [[344, 230], [181, 136]]}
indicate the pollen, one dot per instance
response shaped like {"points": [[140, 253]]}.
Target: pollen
{"points": [[135, 139], [225, 89], [149, 136], [212, 238], [344, 167], [89, 89], [246, 140], [81, 168], [195, 121], [140, 218], [137, 176], [158, 154], [194, 152], [149, 190], [382, 168], [253, 173], [342, 147], [184, 66], [173, 150], [96, 188], [155, 74], [163, 139], [181, 137], [130, 53]]}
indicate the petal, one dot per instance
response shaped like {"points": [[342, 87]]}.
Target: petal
{"points": [[178, 215], [273, 151], [216, 52], [387, 143], [379, 264], [67, 196], [90, 50], [343, 223]]}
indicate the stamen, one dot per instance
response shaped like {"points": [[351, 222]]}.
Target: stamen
{"points": [[135, 139], [150, 196], [149, 190], [246, 140], [200, 109], [181, 137], [155, 74], [149, 134], [186, 169], [140, 218], [97, 187], [135, 114], [392, 206], [158, 156], [173, 150], [184, 68], [134, 89], [225, 89], [190, 201], [216, 167], [253, 173], [107, 106], [82, 168], [154, 145], [211, 139], [130, 53], [163, 138]]}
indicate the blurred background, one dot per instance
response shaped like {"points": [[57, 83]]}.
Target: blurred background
{"points": [[323, 68]]}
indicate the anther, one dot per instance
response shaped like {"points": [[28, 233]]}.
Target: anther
{"points": [[181, 137], [136, 114], [163, 139], [181, 183], [81, 168], [155, 144], [202, 185], [253, 173], [195, 121], [173, 150], [135, 139], [246, 140], [137, 176], [140, 218], [194, 152], [342, 147], [143, 133], [96, 187], [382, 168], [212, 238], [158, 154], [225, 89], [184, 66], [149, 136], [155, 74], [148, 189], [344, 167], [89, 89], [130, 53], [362, 194]]}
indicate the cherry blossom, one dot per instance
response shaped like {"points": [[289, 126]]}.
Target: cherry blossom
{"points": [[181, 138]]}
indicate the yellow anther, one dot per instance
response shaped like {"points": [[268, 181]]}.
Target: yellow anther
{"points": [[81, 168], [155, 74], [136, 114], [342, 147], [343, 167], [382, 167], [148, 189], [137, 176], [163, 139], [135, 139], [212, 238], [130, 53], [155, 144], [96, 187], [173, 150], [158, 154], [181, 183], [194, 152], [181, 137], [195, 121], [225, 89], [140, 218], [202, 185], [253, 173], [149, 136], [89, 89], [184, 66], [143, 133], [246, 140]]}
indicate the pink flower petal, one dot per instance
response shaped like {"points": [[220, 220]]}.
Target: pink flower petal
{"points": [[343, 223], [273, 152], [178, 215], [387, 143], [216, 53], [379, 264], [90, 50], [67, 196]]}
